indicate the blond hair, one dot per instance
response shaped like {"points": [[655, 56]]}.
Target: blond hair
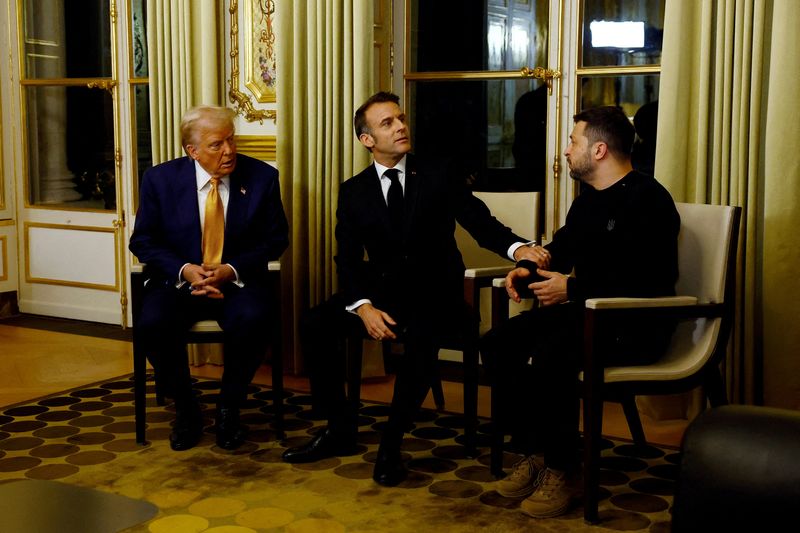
{"points": [[204, 114]]}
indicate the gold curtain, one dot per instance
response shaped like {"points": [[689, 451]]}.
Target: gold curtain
{"points": [[186, 66], [728, 114], [324, 53]]}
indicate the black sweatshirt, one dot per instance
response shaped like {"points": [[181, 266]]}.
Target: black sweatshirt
{"points": [[620, 241]]}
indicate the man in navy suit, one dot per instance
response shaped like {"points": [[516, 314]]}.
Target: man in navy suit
{"points": [[181, 289], [389, 292]]}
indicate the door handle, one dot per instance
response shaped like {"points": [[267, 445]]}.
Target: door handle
{"points": [[541, 73]]}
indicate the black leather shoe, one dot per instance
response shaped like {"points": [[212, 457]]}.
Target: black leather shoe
{"points": [[230, 433], [389, 468], [325, 444], [187, 430]]}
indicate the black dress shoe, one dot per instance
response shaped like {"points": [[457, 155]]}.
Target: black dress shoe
{"points": [[187, 430], [389, 468], [325, 444], [230, 433]]}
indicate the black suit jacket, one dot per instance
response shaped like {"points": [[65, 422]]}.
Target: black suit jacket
{"points": [[167, 232], [373, 264]]}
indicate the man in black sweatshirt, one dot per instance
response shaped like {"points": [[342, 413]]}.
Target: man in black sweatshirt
{"points": [[620, 239]]}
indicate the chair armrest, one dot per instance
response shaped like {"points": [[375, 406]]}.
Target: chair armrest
{"points": [[676, 307], [638, 303], [487, 272]]}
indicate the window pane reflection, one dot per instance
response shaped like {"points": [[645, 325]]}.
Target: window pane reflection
{"points": [[486, 35], [622, 33], [495, 129], [57, 43], [139, 38], [144, 155], [70, 158], [638, 97]]}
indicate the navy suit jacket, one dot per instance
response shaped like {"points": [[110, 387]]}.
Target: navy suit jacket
{"points": [[167, 233], [435, 198]]}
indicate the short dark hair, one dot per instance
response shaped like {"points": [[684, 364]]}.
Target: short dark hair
{"points": [[610, 125], [360, 119]]}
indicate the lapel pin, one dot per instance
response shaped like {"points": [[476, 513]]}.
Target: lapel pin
{"points": [[243, 191]]}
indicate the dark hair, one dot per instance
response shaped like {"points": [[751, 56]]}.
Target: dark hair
{"points": [[610, 125], [360, 119]]}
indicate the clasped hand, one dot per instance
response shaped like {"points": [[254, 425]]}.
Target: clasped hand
{"points": [[206, 280], [549, 291]]}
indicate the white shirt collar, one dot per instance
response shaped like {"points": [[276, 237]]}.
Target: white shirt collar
{"points": [[401, 166], [204, 177]]}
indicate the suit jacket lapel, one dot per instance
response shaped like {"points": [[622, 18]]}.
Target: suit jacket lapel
{"points": [[238, 200], [373, 196], [186, 202], [411, 193]]}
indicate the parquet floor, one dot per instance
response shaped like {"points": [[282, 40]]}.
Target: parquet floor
{"points": [[37, 362]]}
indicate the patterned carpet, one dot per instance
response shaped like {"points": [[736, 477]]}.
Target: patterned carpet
{"points": [[85, 437]]}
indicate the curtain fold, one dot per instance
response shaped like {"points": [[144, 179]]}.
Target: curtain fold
{"points": [[185, 63], [186, 66], [727, 108], [326, 50]]}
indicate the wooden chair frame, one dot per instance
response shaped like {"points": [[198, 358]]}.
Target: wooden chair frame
{"points": [[207, 335], [602, 311]]}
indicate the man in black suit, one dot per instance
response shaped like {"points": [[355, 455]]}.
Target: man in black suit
{"points": [[402, 213], [179, 203]]}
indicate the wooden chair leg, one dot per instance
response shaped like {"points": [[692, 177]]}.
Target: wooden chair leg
{"points": [[592, 420], [437, 391], [471, 398], [496, 453], [634, 421], [355, 354], [715, 388], [139, 385], [277, 387], [277, 354]]}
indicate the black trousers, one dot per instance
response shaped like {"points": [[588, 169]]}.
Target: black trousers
{"points": [[534, 360], [167, 314], [326, 327]]}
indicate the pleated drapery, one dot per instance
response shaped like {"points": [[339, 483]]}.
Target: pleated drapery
{"points": [[729, 114], [186, 68], [324, 55]]}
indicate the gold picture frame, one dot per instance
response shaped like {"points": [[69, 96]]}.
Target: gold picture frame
{"points": [[259, 49], [242, 102]]}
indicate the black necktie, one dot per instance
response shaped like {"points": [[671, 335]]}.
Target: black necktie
{"points": [[395, 200]]}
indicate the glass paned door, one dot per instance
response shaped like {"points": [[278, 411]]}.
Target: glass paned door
{"points": [[78, 95], [470, 84]]}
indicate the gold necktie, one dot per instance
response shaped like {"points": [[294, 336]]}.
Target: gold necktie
{"points": [[214, 227]]}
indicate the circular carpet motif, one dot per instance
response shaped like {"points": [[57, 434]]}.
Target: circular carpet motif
{"points": [[86, 437]]}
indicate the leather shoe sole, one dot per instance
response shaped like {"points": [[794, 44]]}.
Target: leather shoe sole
{"points": [[325, 444]]}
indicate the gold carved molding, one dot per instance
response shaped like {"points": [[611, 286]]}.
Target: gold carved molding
{"points": [[261, 147], [242, 102], [4, 259]]}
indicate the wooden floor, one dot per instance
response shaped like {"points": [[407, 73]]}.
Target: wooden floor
{"points": [[38, 362]]}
